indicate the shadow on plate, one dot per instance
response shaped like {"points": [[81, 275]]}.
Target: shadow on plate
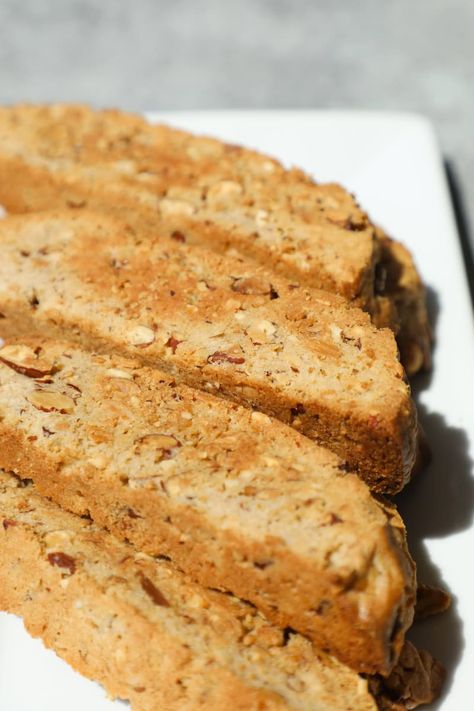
{"points": [[440, 500], [438, 503], [462, 222], [422, 381]]}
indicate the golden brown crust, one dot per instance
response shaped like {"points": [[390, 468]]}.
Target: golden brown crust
{"points": [[95, 600], [207, 192], [297, 354], [266, 514]]}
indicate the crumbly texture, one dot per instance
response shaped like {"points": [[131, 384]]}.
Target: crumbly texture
{"points": [[238, 500], [146, 632], [204, 191], [431, 601], [95, 600], [416, 680], [303, 356]]}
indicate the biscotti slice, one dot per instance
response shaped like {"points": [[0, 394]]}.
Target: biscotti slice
{"points": [[150, 635], [205, 191], [303, 356], [237, 500]]}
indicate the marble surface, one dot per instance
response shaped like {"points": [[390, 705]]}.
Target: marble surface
{"points": [[150, 54]]}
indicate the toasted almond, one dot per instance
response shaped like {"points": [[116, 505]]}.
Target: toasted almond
{"points": [[100, 461], [140, 336], [268, 166], [24, 360], [223, 190], [261, 217], [117, 373], [158, 440], [127, 167], [251, 285], [198, 602], [57, 539], [325, 349], [262, 331], [260, 418], [169, 207], [338, 217], [49, 401]]}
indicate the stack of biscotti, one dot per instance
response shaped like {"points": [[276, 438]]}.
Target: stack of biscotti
{"points": [[222, 196], [237, 500], [122, 327], [303, 356], [152, 636], [267, 515]]}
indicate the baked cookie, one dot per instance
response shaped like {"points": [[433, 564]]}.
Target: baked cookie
{"points": [[204, 191], [303, 356], [237, 500]]}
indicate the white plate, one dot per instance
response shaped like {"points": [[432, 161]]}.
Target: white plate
{"points": [[392, 163]]}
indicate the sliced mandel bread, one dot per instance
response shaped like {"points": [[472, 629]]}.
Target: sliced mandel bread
{"points": [[151, 636], [303, 356], [202, 190], [239, 501]]}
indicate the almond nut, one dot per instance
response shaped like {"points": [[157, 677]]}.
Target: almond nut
{"points": [[127, 167], [62, 560], [253, 286], [117, 373], [154, 593], [260, 418], [269, 166], [48, 401], [172, 343], [100, 461], [221, 357], [26, 361], [159, 441], [261, 217], [262, 331], [223, 190], [162, 444], [169, 207], [324, 349], [57, 539], [140, 336]]}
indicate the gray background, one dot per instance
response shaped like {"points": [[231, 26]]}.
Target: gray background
{"points": [[151, 54]]}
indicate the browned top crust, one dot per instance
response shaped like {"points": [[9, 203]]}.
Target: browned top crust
{"points": [[301, 355], [204, 191]]}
